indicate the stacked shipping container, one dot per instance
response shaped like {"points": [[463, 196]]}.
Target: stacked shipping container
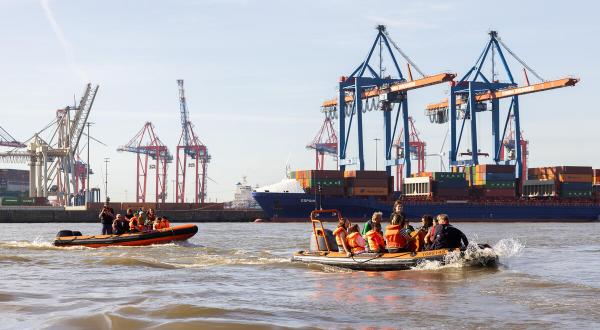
{"points": [[14, 183], [570, 182], [492, 180], [338, 183], [437, 184]]}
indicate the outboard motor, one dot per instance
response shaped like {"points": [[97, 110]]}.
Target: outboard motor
{"points": [[321, 238], [64, 233]]}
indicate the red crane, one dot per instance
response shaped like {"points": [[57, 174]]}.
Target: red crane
{"points": [[416, 149], [325, 142], [147, 145], [190, 146], [7, 140]]}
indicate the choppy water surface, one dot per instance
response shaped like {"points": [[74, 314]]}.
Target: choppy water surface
{"points": [[239, 276]]}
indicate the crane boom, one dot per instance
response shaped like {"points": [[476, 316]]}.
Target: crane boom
{"points": [[399, 87], [521, 90], [81, 115]]}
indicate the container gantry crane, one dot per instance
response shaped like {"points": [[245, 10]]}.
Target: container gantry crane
{"points": [[7, 140], [416, 150], [190, 146], [53, 162], [325, 142], [365, 89], [470, 94], [146, 145]]}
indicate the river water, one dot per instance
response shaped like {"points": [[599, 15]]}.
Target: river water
{"points": [[238, 276]]}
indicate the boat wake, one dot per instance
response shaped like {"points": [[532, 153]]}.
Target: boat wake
{"points": [[477, 255]]}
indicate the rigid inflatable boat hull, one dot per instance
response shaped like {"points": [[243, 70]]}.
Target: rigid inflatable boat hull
{"points": [[161, 236], [381, 261]]}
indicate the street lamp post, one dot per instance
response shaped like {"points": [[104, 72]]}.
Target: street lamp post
{"points": [[376, 152], [106, 161]]}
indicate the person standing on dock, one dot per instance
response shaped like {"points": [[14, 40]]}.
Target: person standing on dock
{"points": [[107, 216]]}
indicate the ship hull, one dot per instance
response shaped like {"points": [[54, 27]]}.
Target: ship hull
{"points": [[297, 206]]}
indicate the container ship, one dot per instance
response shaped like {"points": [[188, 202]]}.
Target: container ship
{"points": [[486, 193]]}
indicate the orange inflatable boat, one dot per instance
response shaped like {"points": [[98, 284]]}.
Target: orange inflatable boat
{"points": [[161, 236]]}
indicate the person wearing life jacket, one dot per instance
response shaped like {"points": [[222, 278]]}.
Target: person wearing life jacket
{"points": [[340, 234], [375, 239], [356, 242], [165, 223], [393, 235], [156, 225], [417, 237], [376, 217], [134, 224], [447, 236]]}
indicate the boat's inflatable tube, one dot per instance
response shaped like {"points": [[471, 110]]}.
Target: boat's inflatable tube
{"points": [[388, 261], [161, 236]]}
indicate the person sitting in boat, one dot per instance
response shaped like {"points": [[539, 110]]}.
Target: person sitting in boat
{"points": [[120, 225], [355, 240], [151, 216], [165, 223], [398, 208], [136, 224], [417, 238], [394, 237], [156, 225], [340, 234], [376, 217], [129, 214], [447, 236], [430, 237], [375, 238]]}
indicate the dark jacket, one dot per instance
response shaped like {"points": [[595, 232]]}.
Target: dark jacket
{"points": [[107, 215], [448, 237]]}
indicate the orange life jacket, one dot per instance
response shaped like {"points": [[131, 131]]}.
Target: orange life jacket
{"points": [[157, 225], [417, 242], [356, 242], [338, 237], [164, 223], [375, 240], [133, 223], [394, 238]]}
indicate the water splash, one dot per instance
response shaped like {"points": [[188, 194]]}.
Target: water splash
{"points": [[509, 248]]}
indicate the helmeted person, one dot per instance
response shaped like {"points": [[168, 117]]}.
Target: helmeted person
{"points": [[340, 233], [447, 236], [394, 237], [375, 239], [106, 216], [129, 214], [120, 225], [356, 242], [376, 217]]}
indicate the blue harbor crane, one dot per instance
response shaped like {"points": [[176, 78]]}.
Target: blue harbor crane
{"points": [[366, 89], [475, 89]]}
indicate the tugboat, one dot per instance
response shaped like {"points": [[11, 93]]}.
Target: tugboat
{"points": [[324, 251], [161, 236]]}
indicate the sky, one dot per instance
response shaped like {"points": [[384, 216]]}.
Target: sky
{"points": [[256, 72]]}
